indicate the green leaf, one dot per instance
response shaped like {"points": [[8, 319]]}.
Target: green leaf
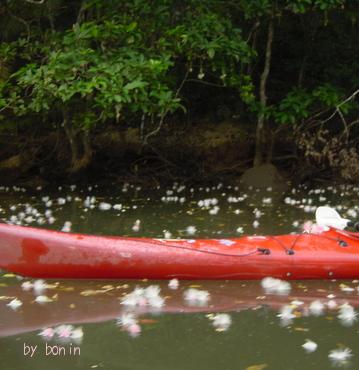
{"points": [[131, 26], [135, 85], [211, 53]]}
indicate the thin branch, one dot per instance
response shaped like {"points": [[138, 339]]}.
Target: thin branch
{"points": [[346, 131], [253, 35], [353, 123], [37, 2], [253, 30], [317, 114], [156, 130], [142, 127], [264, 77], [337, 108], [164, 114], [5, 107], [205, 82], [258, 157]]}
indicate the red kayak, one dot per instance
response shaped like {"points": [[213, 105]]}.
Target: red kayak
{"points": [[332, 254]]}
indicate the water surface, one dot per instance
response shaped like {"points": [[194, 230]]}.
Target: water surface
{"points": [[181, 334]]}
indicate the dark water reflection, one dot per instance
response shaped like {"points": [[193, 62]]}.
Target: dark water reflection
{"points": [[180, 335]]}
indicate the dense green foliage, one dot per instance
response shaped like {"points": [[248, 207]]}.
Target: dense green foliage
{"points": [[92, 64], [126, 59]]}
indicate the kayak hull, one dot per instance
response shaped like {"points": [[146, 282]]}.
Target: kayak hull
{"points": [[40, 253]]}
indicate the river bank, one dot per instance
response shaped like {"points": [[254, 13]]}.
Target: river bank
{"points": [[195, 152]]}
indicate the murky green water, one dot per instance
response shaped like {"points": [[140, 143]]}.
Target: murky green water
{"points": [[182, 334]]}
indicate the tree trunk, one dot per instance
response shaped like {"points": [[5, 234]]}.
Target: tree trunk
{"points": [[258, 158], [71, 136], [81, 155], [82, 162]]}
